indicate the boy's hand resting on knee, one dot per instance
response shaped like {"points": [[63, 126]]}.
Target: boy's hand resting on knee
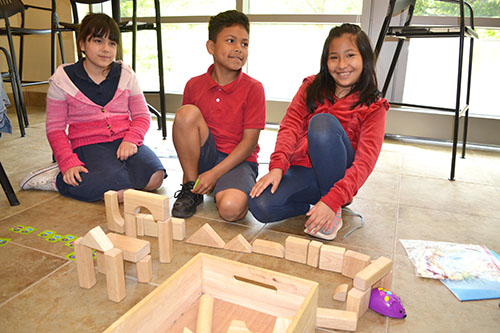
{"points": [[72, 175], [125, 150], [320, 215], [273, 177]]}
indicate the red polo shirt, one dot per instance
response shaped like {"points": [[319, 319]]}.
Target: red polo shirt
{"points": [[228, 110]]}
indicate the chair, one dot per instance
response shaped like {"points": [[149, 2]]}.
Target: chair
{"points": [[125, 26], [18, 97], [408, 31], [7, 187], [10, 8]]}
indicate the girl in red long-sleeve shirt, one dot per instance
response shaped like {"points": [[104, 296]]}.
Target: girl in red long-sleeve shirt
{"points": [[329, 139]]}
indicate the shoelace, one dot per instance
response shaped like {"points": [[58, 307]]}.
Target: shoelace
{"points": [[182, 193]]}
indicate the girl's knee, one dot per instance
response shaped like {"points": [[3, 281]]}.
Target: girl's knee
{"points": [[260, 209], [323, 127], [156, 181]]}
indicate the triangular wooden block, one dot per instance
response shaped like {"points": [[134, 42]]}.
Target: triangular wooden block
{"points": [[206, 236], [239, 244], [97, 239]]}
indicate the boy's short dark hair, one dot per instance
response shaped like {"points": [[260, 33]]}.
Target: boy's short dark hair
{"points": [[224, 20]]}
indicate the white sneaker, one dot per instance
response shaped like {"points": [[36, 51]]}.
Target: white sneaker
{"points": [[43, 179], [330, 234]]}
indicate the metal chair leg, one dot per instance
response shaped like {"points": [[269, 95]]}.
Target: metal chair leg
{"points": [[7, 187]]}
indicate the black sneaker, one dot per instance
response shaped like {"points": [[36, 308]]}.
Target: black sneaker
{"points": [[185, 205]]}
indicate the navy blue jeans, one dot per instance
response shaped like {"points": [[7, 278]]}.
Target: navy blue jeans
{"points": [[331, 154]]}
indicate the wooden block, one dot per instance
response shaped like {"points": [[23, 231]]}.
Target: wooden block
{"points": [[239, 244], [384, 282], [179, 228], [268, 248], [96, 239], [187, 330], [100, 262], [150, 226], [336, 319], [133, 249], [205, 313], [313, 253], [113, 216], [281, 324], [340, 292], [130, 225], [238, 326], [165, 241], [354, 262], [139, 220], [84, 264], [358, 301], [144, 269], [296, 249], [331, 258], [372, 273], [206, 236], [115, 275], [157, 204]]}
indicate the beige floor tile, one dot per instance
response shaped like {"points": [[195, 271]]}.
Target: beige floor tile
{"points": [[434, 225], [458, 197], [28, 267], [58, 304], [381, 186]]}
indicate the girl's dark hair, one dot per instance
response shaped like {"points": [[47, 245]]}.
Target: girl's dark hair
{"points": [[324, 84], [224, 20], [98, 25]]}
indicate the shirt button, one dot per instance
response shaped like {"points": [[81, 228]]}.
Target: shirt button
{"points": [[103, 110], [108, 127], [217, 100]]}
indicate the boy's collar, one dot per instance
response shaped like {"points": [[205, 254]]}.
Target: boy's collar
{"points": [[227, 87]]}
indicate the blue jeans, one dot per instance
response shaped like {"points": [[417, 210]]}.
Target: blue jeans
{"points": [[331, 154]]}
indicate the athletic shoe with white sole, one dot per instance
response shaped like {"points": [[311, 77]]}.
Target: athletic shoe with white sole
{"points": [[330, 234], [43, 179]]}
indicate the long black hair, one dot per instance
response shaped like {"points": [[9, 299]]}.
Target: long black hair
{"points": [[324, 86]]}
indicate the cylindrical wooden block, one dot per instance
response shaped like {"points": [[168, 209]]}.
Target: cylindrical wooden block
{"points": [[205, 312], [84, 265], [144, 269], [115, 274], [165, 241]]}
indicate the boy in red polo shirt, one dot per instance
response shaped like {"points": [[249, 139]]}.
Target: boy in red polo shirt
{"points": [[216, 130]]}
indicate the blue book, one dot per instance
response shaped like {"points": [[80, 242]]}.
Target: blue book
{"points": [[474, 289]]}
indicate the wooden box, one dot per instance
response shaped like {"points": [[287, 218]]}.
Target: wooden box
{"points": [[242, 292]]}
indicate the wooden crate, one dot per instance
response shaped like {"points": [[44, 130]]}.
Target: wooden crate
{"points": [[173, 304]]}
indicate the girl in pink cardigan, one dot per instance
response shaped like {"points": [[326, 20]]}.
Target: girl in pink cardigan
{"points": [[96, 121]]}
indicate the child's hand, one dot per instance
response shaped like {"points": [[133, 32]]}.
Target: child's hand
{"points": [[205, 183], [125, 150], [273, 177], [72, 175], [320, 215]]}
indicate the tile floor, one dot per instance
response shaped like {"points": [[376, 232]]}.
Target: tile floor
{"points": [[408, 196]]}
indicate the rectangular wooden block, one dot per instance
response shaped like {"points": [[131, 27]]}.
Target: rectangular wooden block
{"points": [[133, 249], [385, 282], [336, 319], [358, 301], [144, 269], [115, 275], [296, 249], [354, 262], [269, 248], [84, 264], [331, 258], [139, 220], [150, 226], [178, 228], [165, 241], [372, 273], [313, 252]]}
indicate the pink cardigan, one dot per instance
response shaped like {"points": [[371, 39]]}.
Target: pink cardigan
{"points": [[73, 120]]}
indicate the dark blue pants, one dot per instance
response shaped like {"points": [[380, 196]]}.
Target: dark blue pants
{"points": [[106, 172], [331, 154]]}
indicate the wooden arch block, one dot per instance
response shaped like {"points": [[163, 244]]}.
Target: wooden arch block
{"points": [[96, 239], [157, 204], [206, 236], [239, 244], [269, 248], [115, 220]]}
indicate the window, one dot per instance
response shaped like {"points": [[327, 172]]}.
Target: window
{"points": [[305, 7]]}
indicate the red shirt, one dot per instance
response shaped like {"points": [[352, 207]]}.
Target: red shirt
{"points": [[228, 110], [364, 125]]}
